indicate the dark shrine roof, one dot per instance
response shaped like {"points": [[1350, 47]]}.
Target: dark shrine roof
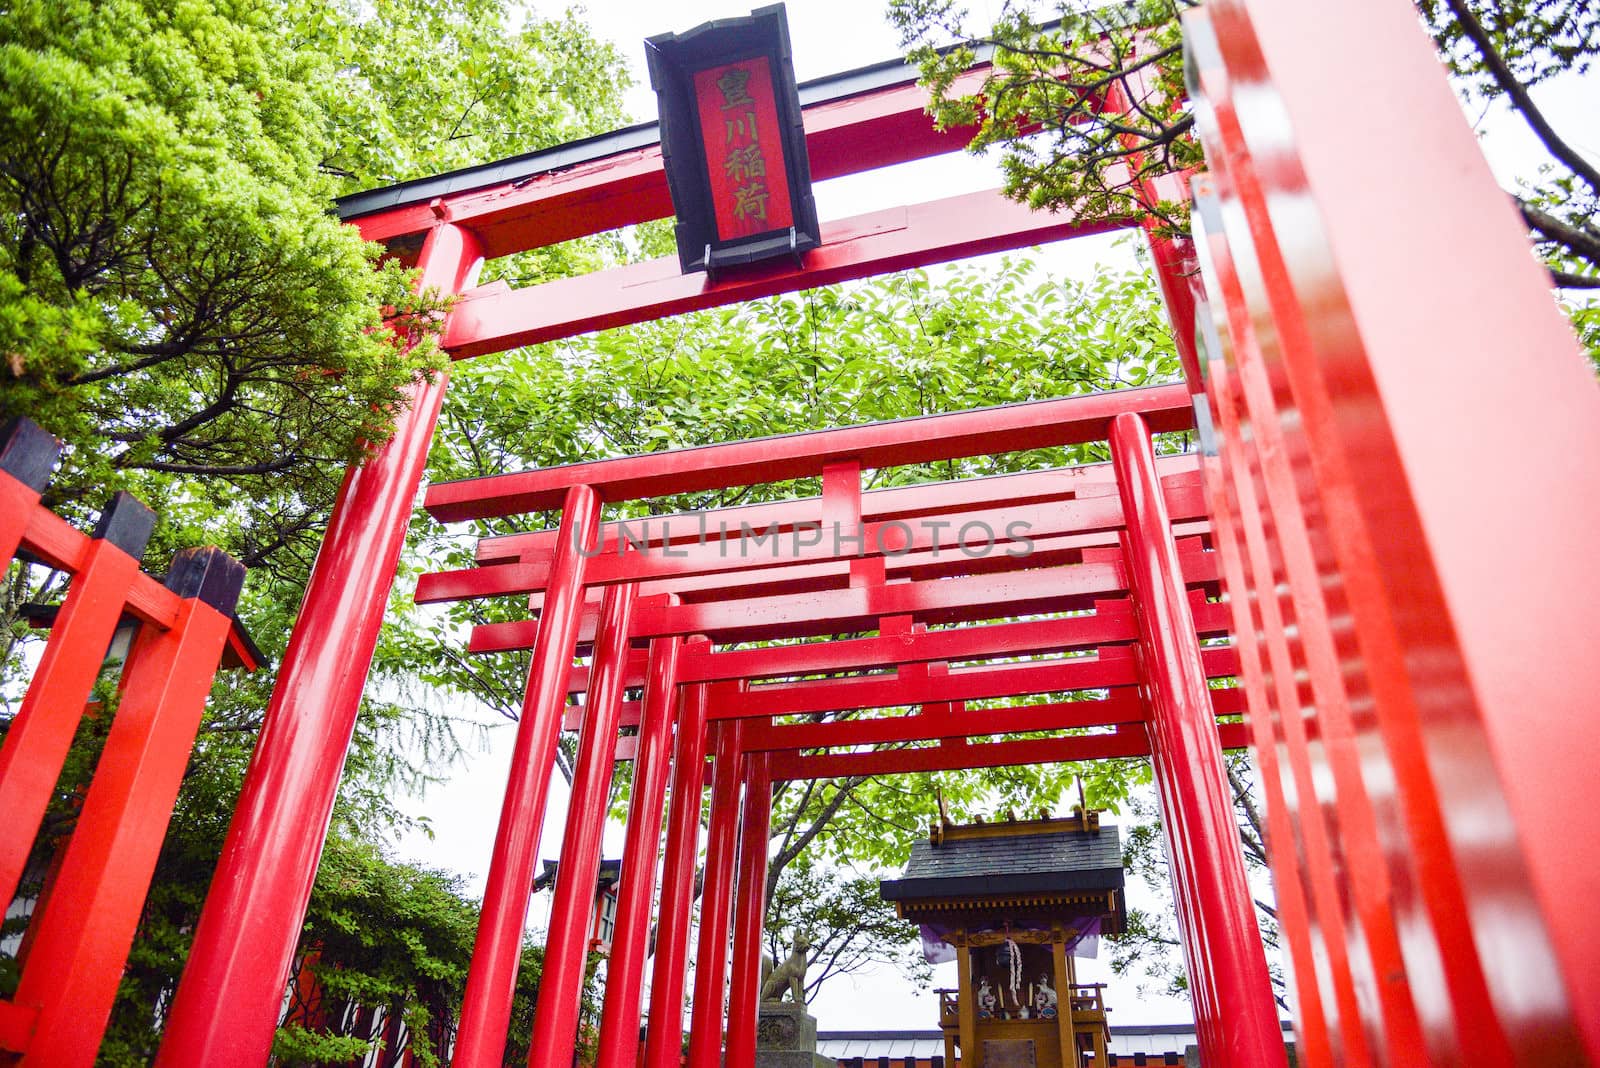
{"points": [[1010, 864], [610, 872]]}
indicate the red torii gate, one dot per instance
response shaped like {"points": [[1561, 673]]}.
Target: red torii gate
{"points": [[893, 561], [1414, 660]]}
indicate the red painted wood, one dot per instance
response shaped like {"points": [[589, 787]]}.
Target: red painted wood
{"points": [[966, 684], [900, 502], [1011, 531], [38, 740], [716, 901], [1235, 1013], [1012, 428], [491, 979], [566, 949], [974, 598], [664, 1039], [739, 134], [18, 502], [1340, 787], [1235, 499], [496, 317], [227, 1004], [846, 136], [81, 938], [1367, 381], [749, 911], [618, 1042]]}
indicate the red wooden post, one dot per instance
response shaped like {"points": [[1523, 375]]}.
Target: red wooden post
{"points": [[81, 939], [711, 963], [1175, 266], [227, 1005], [491, 981], [1234, 1010], [1469, 750], [1331, 801], [619, 1020], [664, 1037], [36, 746], [555, 1021], [750, 910], [1233, 499]]}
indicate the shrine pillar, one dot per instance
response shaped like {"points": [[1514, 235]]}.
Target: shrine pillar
{"points": [[566, 949], [497, 949], [1235, 1013], [226, 1008], [716, 901], [664, 1037], [619, 1020], [750, 907]]}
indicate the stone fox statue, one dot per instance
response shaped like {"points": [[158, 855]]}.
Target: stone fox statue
{"points": [[790, 975]]}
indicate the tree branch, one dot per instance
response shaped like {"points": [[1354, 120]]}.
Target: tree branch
{"points": [[280, 464], [1568, 280], [1573, 237], [1520, 98]]}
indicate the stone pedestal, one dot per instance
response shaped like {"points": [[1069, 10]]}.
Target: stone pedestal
{"points": [[786, 1037]]}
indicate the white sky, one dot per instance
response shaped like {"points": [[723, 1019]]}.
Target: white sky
{"points": [[831, 36]]}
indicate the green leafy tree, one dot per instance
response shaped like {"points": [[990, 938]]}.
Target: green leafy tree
{"points": [[417, 88], [1499, 51], [175, 300], [1084, 105], [1066, 143]]}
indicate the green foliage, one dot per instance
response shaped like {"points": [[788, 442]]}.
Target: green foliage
{"points": [[388, 936], [1537, 39], [417, 87], [1084, 108], [1585, 319], [1496, 52], [177, 303]]}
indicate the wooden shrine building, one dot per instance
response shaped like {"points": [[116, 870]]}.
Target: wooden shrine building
{"points": [[1012, 900]]}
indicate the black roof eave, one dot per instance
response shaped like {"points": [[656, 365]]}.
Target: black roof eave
{"points": [[1090, 879]]}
